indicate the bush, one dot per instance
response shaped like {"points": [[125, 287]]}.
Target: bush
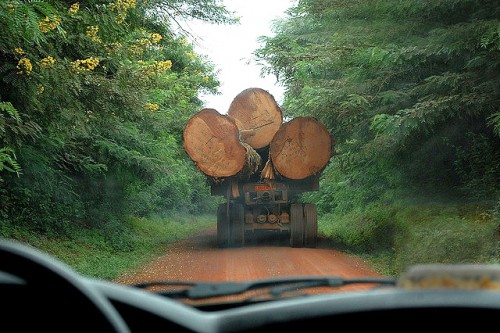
{"points": [[393, 237], [369, 230], [438, 235]]}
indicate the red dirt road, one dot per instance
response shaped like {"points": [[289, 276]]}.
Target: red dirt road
{"points": [[199, 259]]}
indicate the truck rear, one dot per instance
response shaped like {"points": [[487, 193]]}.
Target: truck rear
{"points": [[270, 206], [260, 165]]}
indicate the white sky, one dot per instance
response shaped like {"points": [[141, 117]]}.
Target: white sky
{"points": [[230, 48]]}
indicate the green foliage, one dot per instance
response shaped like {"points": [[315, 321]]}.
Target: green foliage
{"points": [[435, 234], [209, 10], [352, 181], [477, 166], [368, 231], [10, 111], [116, 248], [409, 90], [42, 199], [8, 160], [394, 237], [19, 19], [400, 84], [494, 120], [94, 101]]}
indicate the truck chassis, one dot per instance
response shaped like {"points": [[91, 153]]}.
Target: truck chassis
{"points": [[270, 206]]}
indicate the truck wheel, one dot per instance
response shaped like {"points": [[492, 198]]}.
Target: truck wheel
{"points": [[222, 226], [237, 225], [311, 225], [296, 225]]}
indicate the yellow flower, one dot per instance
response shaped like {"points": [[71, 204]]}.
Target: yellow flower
{"points": [[48, 24], [19, 51], [152, 106], [121, 7], [164, 65], [113, 47], [144, 41], [47, 62], [157, 67], [91, 33], [24, 66], [74, 8], [155, 38], [41, 89], [136, 50], [85, 65]]}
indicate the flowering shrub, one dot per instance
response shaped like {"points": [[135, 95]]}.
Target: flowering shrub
{"points": [[85, 65], [24, 66], [47, 62], [48, 24]]}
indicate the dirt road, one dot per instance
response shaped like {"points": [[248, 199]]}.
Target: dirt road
{"points": [[198, 259]]}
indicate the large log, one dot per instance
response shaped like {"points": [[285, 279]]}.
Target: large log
{"points": [[212, 141], [301, 148], [257, 116]]}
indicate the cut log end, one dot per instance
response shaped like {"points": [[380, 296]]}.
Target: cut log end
{"points": [[231, 146], [212, 141], [257, 116], [301, 148]]}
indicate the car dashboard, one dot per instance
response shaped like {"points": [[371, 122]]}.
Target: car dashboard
{"points": [[38, 292]]}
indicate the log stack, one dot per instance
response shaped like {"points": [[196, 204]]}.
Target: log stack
{"points": [[252, 141]]}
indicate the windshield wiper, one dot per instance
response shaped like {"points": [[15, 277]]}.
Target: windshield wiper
{"points": [[200, 290]]}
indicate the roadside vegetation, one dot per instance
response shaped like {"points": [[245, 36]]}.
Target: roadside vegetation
{"points": [[108, 253], [409, 90], [94, 97], [392, 237]]}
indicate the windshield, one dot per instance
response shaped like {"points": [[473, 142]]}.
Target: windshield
{"points": [[135, 148]]}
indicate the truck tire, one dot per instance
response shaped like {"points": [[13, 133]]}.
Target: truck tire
{"points": [[296, 225], [311, 225], [222, 226], [237, 225]]}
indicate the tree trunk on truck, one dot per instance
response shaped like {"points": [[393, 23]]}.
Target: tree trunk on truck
{"points": [[261, 166], [212, 141], [257, 116], [301, 148]]}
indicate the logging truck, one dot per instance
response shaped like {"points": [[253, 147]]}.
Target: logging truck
{"points": [[260, 165], [266, 206]]}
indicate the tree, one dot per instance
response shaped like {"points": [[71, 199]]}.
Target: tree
{"points": [[94, 96], [410, 90]]}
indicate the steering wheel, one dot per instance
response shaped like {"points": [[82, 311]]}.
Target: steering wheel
{"points": [[43, 293]]}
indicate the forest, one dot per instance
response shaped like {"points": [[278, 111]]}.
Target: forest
{"points": [[410, 90], [94, 96]]}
